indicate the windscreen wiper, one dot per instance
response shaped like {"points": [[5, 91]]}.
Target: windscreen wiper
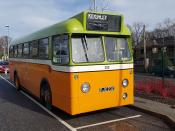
{"points": [[85, 41], [84, 47]]}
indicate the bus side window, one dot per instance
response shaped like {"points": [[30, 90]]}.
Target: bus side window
{"points": [[26, 50], [34, 49], [11, 51], [15, 51], [44, 48], [20, 50], [60, 50]]}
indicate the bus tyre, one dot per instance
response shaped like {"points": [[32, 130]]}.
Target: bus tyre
{"points": [[46, 96], [16, 82]]}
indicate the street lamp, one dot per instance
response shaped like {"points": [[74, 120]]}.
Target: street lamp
{"points": [[7, 40]]}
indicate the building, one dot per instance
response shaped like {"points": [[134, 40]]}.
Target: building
{"points": [[154, 48]]}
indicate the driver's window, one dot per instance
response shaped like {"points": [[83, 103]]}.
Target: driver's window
{"points": [[60, 49]]}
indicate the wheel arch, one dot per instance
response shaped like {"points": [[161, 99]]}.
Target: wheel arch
{"points": [[15, 72], [43, 82]]}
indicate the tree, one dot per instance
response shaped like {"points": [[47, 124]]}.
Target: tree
{"points": [[137, 32], [3, 44], [168, 23], [100, 5], [165, 29]]}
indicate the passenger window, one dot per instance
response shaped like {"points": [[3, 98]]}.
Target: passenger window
{"points": [[11, 51], [20, 50], [60, 49], [15, 51], [26, 50], [44, 48], [34, 49]]}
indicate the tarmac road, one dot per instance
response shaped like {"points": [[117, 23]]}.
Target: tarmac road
{"points": [[19, 113]]}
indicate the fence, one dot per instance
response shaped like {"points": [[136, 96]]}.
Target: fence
{"points": [[151, 84]]}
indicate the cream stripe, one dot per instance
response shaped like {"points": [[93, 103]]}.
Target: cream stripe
{"points": [[77, 68]]}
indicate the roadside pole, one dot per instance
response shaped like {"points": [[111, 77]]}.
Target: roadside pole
{"points": [[163, 63], [144, 42], [163, 79], [7, 41]]}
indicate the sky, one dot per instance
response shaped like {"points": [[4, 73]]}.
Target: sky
{"points": [[25, 17]]}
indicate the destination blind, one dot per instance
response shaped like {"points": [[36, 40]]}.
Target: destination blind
{"points": [[103, 22]]}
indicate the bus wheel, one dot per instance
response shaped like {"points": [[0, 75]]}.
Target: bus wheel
{"points": [[16, 82], [46, 96]]}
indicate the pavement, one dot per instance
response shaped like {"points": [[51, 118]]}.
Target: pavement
{"points": [[161, 110]]}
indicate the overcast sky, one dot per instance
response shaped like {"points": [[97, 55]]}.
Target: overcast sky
{"points": [[26, 16]]}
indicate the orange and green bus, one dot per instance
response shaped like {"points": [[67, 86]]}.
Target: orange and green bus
{"points": [[80, 65]]}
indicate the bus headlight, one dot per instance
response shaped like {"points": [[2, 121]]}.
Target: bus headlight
{"points": [[85, 87], [125, 95], [125, 82]]}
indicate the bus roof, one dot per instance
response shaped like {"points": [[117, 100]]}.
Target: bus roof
{"points": [[75, 24]]}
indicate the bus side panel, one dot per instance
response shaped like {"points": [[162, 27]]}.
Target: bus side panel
{"points": [[63, 95], [61, 83], [11, 67], [37, 72], [22, 72], [19, 67]]}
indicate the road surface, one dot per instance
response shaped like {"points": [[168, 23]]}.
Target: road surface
{"points": [[19, 113]]}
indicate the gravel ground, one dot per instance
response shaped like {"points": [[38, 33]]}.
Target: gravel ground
{"points": [[155, 97]]}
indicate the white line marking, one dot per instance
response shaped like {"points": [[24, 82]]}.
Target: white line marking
{"points": [[52, 114], [62, 121], [107, 122], [45, 109], [7, 81]]}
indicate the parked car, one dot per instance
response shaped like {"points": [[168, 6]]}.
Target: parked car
{"points": [[4, 66], [157, 69]]}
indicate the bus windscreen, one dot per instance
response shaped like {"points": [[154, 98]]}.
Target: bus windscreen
{"points": [[87, 49]]}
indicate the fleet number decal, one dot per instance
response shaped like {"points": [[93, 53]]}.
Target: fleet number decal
{"points": [[106, 89]]}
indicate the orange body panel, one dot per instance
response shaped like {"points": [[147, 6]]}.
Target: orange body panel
{"points": [[66, 87]]}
